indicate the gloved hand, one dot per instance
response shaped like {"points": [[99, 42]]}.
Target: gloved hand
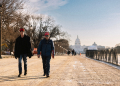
{"points": [[52, 54], [39, 54]]}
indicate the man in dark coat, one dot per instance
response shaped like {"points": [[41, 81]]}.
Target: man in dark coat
{"points": [[73, 52], [46, 49], [22, 50], [68, 52]]}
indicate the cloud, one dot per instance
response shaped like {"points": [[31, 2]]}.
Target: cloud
{"points": [[43, 5], [33, 0]]}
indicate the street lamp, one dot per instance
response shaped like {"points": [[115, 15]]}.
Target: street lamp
{"points": [[63, 50], [0, 29], [55, 47]]}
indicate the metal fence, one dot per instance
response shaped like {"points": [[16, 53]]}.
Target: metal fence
{"points": [[108, 55]]}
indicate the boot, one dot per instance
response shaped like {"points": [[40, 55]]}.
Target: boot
{"points": [[47, 76], [25, 72], [44, 74], [19, 75]]}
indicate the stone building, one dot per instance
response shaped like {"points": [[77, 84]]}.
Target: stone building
{"points": [[77, 47]]}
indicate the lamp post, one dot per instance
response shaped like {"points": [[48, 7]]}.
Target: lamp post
{"points": [[0, 29], [58, 48], [62, 49], [55, 47]]}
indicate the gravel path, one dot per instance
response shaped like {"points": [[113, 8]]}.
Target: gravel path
{"points": [[64, 71]]}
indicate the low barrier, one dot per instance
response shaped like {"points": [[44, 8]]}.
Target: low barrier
{"points": [[108, 55]]}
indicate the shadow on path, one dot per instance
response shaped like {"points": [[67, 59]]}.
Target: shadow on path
{"points": [[16, 78]]}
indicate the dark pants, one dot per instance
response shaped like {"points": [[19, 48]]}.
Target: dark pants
{"points": [[24, 56], [46, 64]]}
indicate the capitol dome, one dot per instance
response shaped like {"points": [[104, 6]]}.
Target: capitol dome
{"points": [[77, 41], [77, 47]]}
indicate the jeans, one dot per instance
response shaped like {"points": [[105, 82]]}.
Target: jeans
{"points": [[24, 56], [46, 64]]}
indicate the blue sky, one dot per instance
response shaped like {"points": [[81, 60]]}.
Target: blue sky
{"points": [[92, 20]]}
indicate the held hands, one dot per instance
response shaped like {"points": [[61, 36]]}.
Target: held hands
{"points": [[38, 55], [32, 52]]}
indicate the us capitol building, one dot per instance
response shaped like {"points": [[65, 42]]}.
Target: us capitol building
{"points": [[81, 49]]}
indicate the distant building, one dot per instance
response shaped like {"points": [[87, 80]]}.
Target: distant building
{"points": [[77, 47], [94, 46], [82, 49]]}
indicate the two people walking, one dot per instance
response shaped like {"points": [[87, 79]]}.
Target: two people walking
{"points": [[23, 49], [73, 52]]}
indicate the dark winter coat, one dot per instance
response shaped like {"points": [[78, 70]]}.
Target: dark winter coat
{"points": [[73, 51], [68, 52], [23, 46], [46, 47]]}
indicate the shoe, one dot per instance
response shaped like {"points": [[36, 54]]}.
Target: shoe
{"points": [[47, 76], [44, 74], [25, 73], [19, 75]]}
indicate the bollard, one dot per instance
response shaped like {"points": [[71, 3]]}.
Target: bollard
{"points": [[118, 59], [115, 59], [105, 55], [96, 54], [111, 59]]}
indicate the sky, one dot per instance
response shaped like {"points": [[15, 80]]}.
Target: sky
{"points": [[92, 20]]}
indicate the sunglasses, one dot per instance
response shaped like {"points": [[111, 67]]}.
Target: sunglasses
{"points": [[47, 36]]}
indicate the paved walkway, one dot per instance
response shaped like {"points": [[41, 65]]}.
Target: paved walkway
{"points": [[65, 71]]}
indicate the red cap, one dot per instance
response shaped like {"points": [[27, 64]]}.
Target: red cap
{"points": [[46, 33], [22, 29]]}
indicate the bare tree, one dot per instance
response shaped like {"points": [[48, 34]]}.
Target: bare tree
{"points": [[9, 38], [9, 10], [40, 25], [11, 21]]}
